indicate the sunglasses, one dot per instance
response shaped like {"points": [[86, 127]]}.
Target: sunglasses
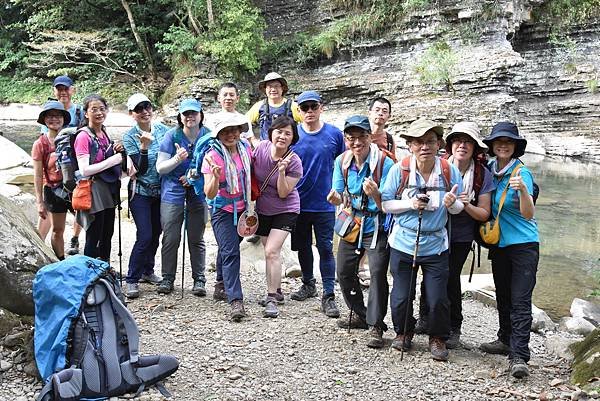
{"points": [[142, 106], [309, 106]]}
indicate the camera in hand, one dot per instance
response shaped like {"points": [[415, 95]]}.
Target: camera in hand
{"points": [[423, 197]]}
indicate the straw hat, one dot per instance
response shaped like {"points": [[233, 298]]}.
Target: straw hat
{"points": [[468, 128], [273, 76]]}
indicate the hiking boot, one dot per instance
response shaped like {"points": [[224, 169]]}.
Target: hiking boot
{"points": [[375, 338], [308, 290], [518, 368], [237, 310], [271, 308], [253, 239], [495, 347], [166, 286], [329, 307], [151, 279], [132, 290], [356, 322], [422, 326], [219, 292], [438, 349], [454, 339], [279, 299], [403, 342], [198, 289], [73, 246]]}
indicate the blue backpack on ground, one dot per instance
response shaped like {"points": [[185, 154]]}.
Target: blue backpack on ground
{"points": [[86, 340]]}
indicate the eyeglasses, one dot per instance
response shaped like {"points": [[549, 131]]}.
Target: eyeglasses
{"points": [[95, 110], [419, 143], [465, 141], [142, 106], [309, 106], [190, 113], [352, 139]]}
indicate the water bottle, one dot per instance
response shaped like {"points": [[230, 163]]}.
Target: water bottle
{"points": [[66, 168]]}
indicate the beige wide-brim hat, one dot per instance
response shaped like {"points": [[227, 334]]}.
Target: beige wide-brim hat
{"points": [[420, 127], [273, 76], [233, 120], [466, 128]]}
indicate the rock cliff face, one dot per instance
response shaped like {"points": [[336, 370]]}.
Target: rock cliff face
{"points": [[507, 69]]}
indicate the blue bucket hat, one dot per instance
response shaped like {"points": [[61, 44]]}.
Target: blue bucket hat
{"points": [[63, 80], [190, 105], [54, 105], [309, 96], [361, 122], [508, 130]]}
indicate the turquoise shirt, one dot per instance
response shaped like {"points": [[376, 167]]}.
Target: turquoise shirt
{"points": [[355, 180], [434, 237], [148, 184], [514, 228]]}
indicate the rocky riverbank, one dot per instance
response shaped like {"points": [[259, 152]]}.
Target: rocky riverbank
{"points": [[302, 355]]}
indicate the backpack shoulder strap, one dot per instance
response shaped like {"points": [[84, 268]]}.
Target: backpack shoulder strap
{"points": [[93, 140], [390, 142], [405, 173], [345, 164], [378, 172], [288, 108], [446, 173]]}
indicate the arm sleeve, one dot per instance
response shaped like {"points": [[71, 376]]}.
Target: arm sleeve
{"points": [[165, 163], [140, 161], [389, 202], [86, 169]]}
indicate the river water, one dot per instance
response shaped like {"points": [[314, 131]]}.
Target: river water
{"points": [[568, 216]]}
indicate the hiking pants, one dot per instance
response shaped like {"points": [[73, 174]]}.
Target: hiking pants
{"points": [[99, 234], [347, 271], [146, 215], [458, 255], [322, 223], [435, 276], [172, 220], [228, 253], [514, 268]]}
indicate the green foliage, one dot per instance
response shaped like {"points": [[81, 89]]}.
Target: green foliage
{"points": [[23, 91], [561, 15], [178, 47], [592, 87], [586, 364], [410, 5], [438, 65], [596, 274]]}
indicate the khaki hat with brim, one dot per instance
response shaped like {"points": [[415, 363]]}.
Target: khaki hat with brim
{"points": [[420, 127], [468, 128], [233, 120], [273, 76]]}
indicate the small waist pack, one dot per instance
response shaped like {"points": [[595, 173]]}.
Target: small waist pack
{"points": [[82, 196], [347, 225]]}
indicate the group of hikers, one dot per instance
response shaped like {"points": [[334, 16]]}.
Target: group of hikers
{"points": [[423, 210]]}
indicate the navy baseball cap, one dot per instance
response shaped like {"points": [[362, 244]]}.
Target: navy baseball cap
{"points": [[308, 96], [361, 122], [63, 80]]}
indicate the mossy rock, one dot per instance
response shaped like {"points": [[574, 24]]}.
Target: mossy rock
{"points": [[586, 364]]}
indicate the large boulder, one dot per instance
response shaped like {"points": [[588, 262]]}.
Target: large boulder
{"points": [[541, 321], [12, 155], [22, 253], [586, 310], [587, 359], [24, 201], [576, 325]]}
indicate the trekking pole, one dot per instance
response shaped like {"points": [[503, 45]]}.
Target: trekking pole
{"points": [[412, 275], [183, 251], [472, 261], [119, 208]]}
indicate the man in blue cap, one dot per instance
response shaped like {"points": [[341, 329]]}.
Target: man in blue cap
{"points": [[320, 143], [63, 89], [358, 177]]}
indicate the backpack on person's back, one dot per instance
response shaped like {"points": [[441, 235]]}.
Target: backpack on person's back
{"points": [[86, 341], [66, 159]]}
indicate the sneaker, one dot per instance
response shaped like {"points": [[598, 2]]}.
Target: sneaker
{"points": [[198, 289], [518, 368], [495, 347], [237, 310], [453, 341], [375, 338], [219, 293], [329, 307], [151, 279], [403, 342], [422, 327], [166, 287], [132, 290], [438, 349], [308, 290], [278, 296], [253, 239], [356, 322], [73, 246], [271, 308]]}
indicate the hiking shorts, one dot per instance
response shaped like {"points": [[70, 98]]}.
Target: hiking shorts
{"points": [[53, 202], [282, 221]]}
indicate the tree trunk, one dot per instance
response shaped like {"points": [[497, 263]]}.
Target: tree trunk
{"points": [[140, 42], [209, 11]]}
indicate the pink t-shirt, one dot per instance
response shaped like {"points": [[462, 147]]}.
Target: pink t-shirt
{"points": [[83, 143], [218, 160]]}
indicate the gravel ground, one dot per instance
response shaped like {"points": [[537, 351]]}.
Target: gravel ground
{"points": [[302, 355]]}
